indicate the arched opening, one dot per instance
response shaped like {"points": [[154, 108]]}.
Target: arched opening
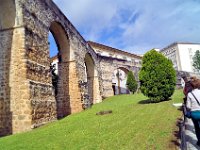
{"points": [[119, 81], [53, 52], [60, 56], [90, 74], [62, 41]]}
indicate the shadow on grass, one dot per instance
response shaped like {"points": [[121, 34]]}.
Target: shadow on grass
{"points": [[148, 101], [180, 109], [176, 138]]}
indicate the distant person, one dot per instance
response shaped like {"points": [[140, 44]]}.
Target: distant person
{"points": [[187, 87], [54, 78], [193, 104]]}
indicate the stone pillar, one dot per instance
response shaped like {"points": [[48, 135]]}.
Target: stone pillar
{"points": [[74, 89], [63, 98], [93, 90], [90, 88], [19, 88], [69, 95], [96, 90], [107, 83], [15, 110], [107, 89], [5, 55]]}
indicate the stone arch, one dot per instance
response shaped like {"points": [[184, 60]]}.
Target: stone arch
{"points": [[90, 74], [63, 57], [119, 81], [62, 41], [124, 69]]}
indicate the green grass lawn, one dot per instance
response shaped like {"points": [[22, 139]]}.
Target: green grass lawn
{"points": [[133, 125]]}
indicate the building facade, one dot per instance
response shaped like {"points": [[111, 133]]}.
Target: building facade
{"points": [[118, 63], [181, 55], [115, 65]]}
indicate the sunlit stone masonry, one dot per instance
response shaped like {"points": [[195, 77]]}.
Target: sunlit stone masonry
{"points": [[27, 96]]}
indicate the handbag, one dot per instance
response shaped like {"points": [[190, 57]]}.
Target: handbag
{"points": [[195, 114]]}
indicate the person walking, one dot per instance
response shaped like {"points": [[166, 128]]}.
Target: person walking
{"points": [[193, 104], [187, 87]]}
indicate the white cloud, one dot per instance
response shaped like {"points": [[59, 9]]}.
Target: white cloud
{"points": [[90, 17], [137, 25]]}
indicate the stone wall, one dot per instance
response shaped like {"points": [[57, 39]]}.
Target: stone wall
{"points": [[19, 88], [5, 55], [27, 98], [39, 16], [111, 59], [107, 71], [42, 98], [108, 66]]}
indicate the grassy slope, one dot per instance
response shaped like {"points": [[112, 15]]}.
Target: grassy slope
{"points": [[130, 126]]}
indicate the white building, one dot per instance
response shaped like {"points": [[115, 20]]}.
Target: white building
{"points": [[119, 79], [54, 61], [181, 55]]}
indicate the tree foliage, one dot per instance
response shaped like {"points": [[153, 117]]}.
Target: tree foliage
{"points": [[131, 82], [196, 60], [157, 76]]}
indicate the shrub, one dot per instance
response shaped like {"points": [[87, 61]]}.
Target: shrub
{"points": [[131, 82], [157, 76], [196, 60]]}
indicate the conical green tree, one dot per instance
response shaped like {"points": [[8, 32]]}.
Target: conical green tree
{"points": [[157, 76], [196, 60], [131, 82]]}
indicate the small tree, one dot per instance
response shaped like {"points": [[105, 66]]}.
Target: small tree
{"points": [[157, 76], [131, 82], [196, 60]]}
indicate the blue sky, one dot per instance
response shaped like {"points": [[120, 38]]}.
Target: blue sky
{"points": [[135, 26]]}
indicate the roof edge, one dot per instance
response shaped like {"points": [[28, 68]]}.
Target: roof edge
{"points": [[112, 49]]}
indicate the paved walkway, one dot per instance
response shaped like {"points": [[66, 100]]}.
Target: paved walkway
{"points": [[188, 137], [188, 134]]}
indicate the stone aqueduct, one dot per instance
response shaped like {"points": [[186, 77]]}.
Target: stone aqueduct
{"points": [[27, 99]]}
